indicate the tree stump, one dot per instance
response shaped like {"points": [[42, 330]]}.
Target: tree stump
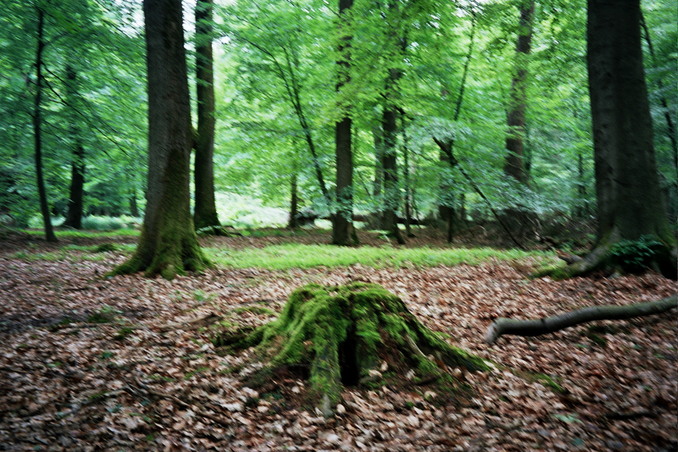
{"points": [[343, 336]]}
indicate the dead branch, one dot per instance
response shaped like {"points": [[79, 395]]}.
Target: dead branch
{"points": [[536, 327]]}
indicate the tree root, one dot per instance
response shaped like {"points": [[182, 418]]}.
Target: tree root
{"points": [[537, 327]]}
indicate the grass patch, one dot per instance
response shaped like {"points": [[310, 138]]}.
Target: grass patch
{"points": [[125, 232], [74, 253], [287, 256]]}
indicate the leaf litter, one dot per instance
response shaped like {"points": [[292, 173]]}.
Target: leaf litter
{"points": [[89, 363]]}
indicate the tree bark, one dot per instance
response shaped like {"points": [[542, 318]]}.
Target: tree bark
{"points": [[389, 127], [294, 202], [37, 130], [205, 214], [514, 164], [537, 327], [389, 164], [76, 192], [342, 220], [168, 245], [629, 198]]}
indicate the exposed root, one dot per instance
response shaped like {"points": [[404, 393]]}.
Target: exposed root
{"points": [[537, 327]]}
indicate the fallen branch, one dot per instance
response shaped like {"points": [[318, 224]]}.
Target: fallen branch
{"points": [[536, 327]]}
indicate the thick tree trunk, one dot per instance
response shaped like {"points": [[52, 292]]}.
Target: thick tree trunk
{"points": [[205, 214], [342, 220], [555, 323], [37, 130], [168, 243], [75, 199], [629, 199]]}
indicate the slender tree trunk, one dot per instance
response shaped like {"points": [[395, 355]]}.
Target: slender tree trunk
{"points": [[342, 224], [133, 205], [75, 198], [670, 124], [205, 214], [582, 210], [294, 202], [389, 163], [515, 164], [446, 209], [389, 127], [378, 184], [629, 199], [37, 130], [168, 243], [409, 192]]}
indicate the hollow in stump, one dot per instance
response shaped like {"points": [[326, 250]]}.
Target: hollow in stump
{"points": [[348, 336]]}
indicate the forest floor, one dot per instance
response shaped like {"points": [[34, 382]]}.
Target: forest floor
{"points": [[95, 363]]}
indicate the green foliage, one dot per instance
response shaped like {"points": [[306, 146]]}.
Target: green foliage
{"points": [[281, 257], [634, 256]]}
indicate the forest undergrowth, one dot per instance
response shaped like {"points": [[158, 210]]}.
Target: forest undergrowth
{"points": [[89, 362]]}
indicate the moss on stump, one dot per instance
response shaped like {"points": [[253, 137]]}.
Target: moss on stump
{"points": [[342, 336]]}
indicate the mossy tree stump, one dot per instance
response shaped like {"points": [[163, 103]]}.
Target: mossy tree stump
{"points": [[341, 336]]}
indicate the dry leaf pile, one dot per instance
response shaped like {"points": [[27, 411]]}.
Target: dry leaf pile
{"points": [[89, 363]]}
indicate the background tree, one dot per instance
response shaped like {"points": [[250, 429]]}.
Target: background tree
{"points": [[205, 214], [168, 243], [75, 199], [342, 220], [37, 126]]}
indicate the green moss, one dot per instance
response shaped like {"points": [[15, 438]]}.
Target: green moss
{"points": [[341, 334]]}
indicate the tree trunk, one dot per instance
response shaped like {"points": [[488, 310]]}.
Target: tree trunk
{"points": [[629, 199], [168, 243], [205, 214], [555, 323], [521, 222], [409, 190], [670, 125], [389, 127], [391, 187], [75, 198], [37, 130], [294, 202], [348, 336], [514, 164], [342, 220], [446, 209]]}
